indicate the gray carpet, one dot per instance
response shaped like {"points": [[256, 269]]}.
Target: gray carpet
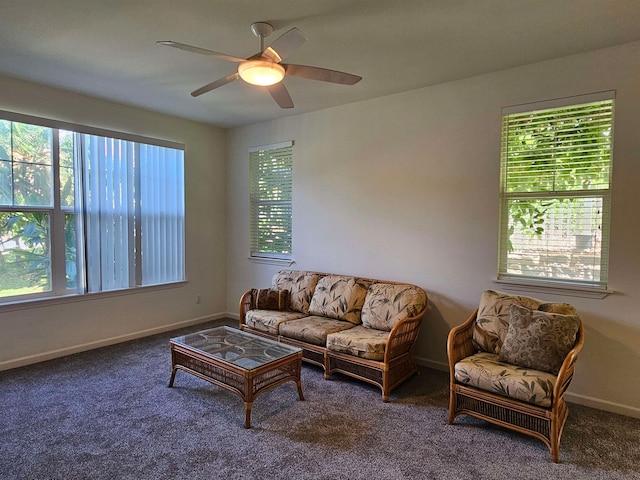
{"points": [[108, 414]]}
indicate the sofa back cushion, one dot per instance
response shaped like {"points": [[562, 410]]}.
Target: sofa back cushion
{"points": [[492, 321], [388, 303], [339, 297], [300, 285]]}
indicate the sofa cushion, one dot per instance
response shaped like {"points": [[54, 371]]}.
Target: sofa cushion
{"points": [[269, 299], [359, 341], [313, 329], [270, 320], [538, 340], [486, 372], [300, 285], [387, 303], [339, 297], [492, 321]]}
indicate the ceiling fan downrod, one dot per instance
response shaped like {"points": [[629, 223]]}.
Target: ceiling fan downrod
{"points": [[261, 30]]}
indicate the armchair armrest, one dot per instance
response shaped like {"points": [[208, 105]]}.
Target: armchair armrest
{"points": [[565, 375], [459, 343], [245, 306]]}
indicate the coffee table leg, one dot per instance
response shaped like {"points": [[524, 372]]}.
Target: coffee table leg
{"points": [[299, 383], [173, 376], [247, 418]]}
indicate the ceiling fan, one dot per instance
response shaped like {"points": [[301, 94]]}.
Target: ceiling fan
{"points": [[265, 68]]}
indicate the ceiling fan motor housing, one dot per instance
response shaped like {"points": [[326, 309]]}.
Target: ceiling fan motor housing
{"points": [[261, 29]]}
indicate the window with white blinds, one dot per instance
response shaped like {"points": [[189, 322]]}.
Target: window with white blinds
{"points": [[556, 161], [271, 184]]}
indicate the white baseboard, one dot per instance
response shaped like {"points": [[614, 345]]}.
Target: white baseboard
{"points": [[605, 405], [63, 352], [585, 400], [425, 362]]}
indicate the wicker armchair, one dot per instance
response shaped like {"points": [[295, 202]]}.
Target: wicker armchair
{"points": [[543, 422]]}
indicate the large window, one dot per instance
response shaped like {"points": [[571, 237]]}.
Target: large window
{"points": [[555, 192], [270, 189], [81, 212]]}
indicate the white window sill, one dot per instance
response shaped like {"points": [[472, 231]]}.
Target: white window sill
{"points": [[39, 302], [283, 262], [552, 288]]}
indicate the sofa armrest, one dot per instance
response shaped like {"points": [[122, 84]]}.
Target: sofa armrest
{"points": [[403, 336], [245, 306], [459, 343]]}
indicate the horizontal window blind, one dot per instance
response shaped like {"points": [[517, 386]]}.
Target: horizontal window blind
{"points": [[271, 200], [555, 194]]}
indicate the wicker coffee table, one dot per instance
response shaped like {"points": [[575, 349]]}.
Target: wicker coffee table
{"points": [[237, 361]]}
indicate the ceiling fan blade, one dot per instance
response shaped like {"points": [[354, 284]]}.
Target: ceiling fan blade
{"points": [[281, 95], [285, 45], [213, 85], [322, 74], [201, 51]]}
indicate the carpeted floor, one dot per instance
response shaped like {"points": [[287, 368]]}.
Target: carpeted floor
{"points": [[108, 414]]}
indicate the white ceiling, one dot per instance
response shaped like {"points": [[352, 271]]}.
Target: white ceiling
{"points": [[108, 48]]}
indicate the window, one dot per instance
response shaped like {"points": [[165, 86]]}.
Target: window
{"points": [[555, 192], [270, 190], [81, 212]]}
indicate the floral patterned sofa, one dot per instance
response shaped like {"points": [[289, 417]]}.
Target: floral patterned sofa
{"points": [[360, 327], [511, 362]]}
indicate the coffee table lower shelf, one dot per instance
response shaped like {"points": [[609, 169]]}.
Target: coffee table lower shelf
{"points": [[246, 383]]}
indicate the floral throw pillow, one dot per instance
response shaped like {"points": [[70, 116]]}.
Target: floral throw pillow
{"points": [[538, 340]]}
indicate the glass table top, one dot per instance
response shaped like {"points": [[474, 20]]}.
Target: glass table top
{"points": [[236, 347]]}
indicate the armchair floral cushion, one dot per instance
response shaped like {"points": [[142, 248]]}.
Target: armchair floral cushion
{"points": [[486, 372]]}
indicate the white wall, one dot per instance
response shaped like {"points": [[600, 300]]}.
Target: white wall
{"points": [[54, 329], [405, 188]]}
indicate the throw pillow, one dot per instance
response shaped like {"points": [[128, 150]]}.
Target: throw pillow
{"points": [[538, 340], [269, 299]]}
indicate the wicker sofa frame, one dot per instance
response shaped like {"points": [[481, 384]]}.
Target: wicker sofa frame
{"points": [[396, 367], [545, 424]]}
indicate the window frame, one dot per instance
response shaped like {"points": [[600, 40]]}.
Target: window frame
{"points": [[594, 289], [255, 201], [59, 291]]}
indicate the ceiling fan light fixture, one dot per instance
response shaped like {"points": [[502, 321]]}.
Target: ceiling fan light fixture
{"points": [[260, 72]]}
